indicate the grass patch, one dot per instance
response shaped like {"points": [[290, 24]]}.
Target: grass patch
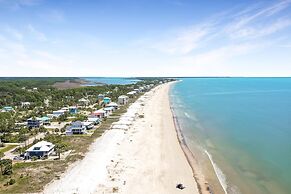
{"points": [[7, 148]]}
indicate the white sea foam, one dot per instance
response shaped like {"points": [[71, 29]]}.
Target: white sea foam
{"points": [[187, 115], [221, 177]]}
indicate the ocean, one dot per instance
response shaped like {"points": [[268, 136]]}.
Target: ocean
{"points": [[109, 80], [239, 129]]}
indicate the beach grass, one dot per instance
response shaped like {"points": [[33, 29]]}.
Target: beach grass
{"points": [[7, 148]]}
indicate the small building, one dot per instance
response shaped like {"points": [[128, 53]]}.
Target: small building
{"points": [[108, 110], [73, 110], [84, 102], [89, 125], [34, 122], [40, 150], [122, 100], [46, 102], [45, 120], [58, 113], [113, 105], [25, 104], [7, 109], [131, 94], [94, 120], [76, 127], [100, 97], [137, 90], [99, 114], [66, 109], [106, 100]]}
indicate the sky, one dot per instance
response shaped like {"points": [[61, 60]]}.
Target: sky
{"points": [[83, 38]]}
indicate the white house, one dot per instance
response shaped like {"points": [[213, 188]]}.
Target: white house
{"points": [[25, 104], [122, 100], [113, 105], [131, 94], [40, 149], [94, 120], [76, 127], [108, 110], [84, 102], [88, 124], [58, 113]]}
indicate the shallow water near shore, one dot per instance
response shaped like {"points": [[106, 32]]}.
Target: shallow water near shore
{"points": [[243, 125]]}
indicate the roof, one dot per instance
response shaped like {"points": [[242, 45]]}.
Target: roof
{"points": [[59, 111], [86, 123], [83, 100], [112, 104], [108, 108], [123, 96], [93, 119], [99, 111], [132, 92], [42, 146]]}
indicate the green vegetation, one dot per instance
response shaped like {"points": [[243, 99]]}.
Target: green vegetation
{"points": [[7, 148], [32, 176]]}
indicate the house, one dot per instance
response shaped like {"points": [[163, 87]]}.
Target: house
{"points": [[58, 113], [76, 127], [94, 120], [131, 94], [66, 109], [137, 90], [99, 114], [46, 102], [122, 100], [100, 97], [45, 120], [108, 110], [7, 109], [73, 110], [40, 150], [34, 122], [113, 105], [106, 100], [25, 104], [88, 125], [84, 102]]}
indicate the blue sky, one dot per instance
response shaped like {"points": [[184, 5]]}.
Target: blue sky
{"points": [[145, 38]]}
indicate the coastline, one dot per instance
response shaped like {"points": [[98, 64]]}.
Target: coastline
{"points": [[146, 158], [200, 177], [202, 184]]}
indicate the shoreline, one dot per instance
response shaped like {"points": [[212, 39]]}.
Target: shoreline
{"points": [[203, 185], [146, 158]]}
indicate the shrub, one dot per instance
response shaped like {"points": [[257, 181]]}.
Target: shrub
{"points": [[34, 158], [11, 181]]}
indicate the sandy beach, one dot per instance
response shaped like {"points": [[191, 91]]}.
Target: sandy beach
{"points": [[145, 158]]}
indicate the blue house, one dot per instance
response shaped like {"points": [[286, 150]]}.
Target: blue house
{"points": [[76, 127], [34, 122], [106, 100], [7, 109], [73, 110]]}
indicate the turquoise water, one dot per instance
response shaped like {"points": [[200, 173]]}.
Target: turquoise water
{"points": [[109, 80], [245, 124]]}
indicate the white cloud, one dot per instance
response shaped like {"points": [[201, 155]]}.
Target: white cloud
{"points": [[15, 33], [185, 41], [37, 34]]}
